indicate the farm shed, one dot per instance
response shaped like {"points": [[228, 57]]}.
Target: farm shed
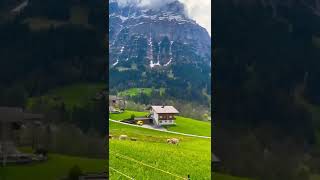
{"points": [[116, 104], [145, 120], [11, 119]]}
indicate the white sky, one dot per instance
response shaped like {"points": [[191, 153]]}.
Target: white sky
{"points": [[200, 11]]}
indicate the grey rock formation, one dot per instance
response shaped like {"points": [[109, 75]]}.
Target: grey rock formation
{"points": [[154, 36]]}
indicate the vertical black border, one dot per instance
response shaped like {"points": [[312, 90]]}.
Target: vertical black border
{"points": [[213, 92], [106, 41]]}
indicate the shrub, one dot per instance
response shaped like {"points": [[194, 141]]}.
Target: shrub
{"points": [[74, 173]]}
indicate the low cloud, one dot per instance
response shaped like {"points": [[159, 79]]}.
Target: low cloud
{"points": [[145, 3], [198, 10]]}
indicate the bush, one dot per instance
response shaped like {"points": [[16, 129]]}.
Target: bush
{"points": [[74, 173], [132, 116], [41, 151]]}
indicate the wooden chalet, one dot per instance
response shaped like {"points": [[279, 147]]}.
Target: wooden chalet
{"points": [[11, 118], [163, 115], [116, 104]]}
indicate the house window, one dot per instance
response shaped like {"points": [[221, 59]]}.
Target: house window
{"points": [[160, 116], [170, 117]]}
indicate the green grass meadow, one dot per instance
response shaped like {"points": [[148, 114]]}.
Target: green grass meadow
{"points": [[73, 95], [191, 126], [191, 157], [126, 115], [56, 167], [183, 125], [135, 91]]}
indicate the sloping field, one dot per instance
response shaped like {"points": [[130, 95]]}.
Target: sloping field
{"points": [[73, 95], [150, 157], [57, 167], [183, 125]]}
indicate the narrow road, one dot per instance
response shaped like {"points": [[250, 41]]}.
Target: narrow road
{"points": [[172, 132]]}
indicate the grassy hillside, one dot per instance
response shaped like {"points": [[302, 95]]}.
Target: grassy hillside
{"points": [[72, 95], [126, 115], [191, 157], [191, 126], [315, 177], [135, 91], [183, 125], [55, 168]]}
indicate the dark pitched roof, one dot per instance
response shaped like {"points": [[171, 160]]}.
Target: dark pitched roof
{"points": [[20, 7], [165, 109], [16, 114], [11, 114], [215, 158], [115, 98]]}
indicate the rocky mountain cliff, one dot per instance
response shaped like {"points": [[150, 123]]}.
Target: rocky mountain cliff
{"points": [[157, 46], [155, 36]]}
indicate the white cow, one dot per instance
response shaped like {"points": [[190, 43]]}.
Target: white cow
{"points": [[173, 141], [123, 137]]}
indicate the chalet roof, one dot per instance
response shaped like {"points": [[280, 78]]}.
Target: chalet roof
{"points": [[115, 98], [215, 158], [16, 114], [11, 114], [31, 116], [20, 7], [165, 109]]}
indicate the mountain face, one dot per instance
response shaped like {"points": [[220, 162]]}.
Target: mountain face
{"points": [[160, 33], [157, 46]]}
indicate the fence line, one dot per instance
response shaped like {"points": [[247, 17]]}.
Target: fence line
{"points": [[144, 164], [121, 173]]}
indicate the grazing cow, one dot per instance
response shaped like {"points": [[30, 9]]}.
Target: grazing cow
{"points": [[173, 141], [123, 137], [110, 136], [133, 139]]}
